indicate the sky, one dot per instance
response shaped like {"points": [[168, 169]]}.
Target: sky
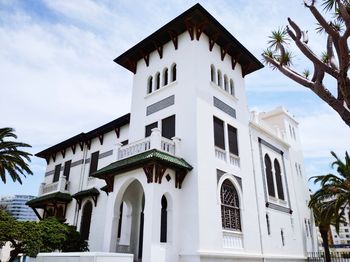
{"points": [[58, 78]]}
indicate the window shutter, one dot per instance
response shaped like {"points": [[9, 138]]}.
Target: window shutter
{"points": [[232, 140], [56, 175], [149, 128], [93, 162], [279, 180], [168, 127], [66, 170], [219, 136]]}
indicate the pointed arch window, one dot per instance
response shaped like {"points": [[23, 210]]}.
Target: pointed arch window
{"points": [[149, 85], [173, 73], [157, 82], [165, 76], [225, 83], [279, 182], [232, 88], [230, 209], [164, 220], [212, 73], [219, 78], [86, 220], [269, 176]]}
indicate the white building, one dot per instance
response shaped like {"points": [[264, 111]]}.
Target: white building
{"points": [[16, 206], [190, 174]]}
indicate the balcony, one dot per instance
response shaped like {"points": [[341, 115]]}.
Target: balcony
{"points": [[61, 185], [155, 141], [221, 154], [232, 239]]}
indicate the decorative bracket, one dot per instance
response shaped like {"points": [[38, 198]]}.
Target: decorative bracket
{"points": [[47, 159], [100, 138], [81, 144], [117, 131], [223, 51], [63, 152], [73, 147], [148, 169], [173, 37], [160, 170], [110, 182], [145, 57], [88, 143], [159, 49], [53, 157], [190, 29], [212, 41], [179, 178], [234, 61], [199, 29]]}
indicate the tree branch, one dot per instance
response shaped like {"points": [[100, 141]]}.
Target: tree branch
{"points": [[329, 29], [344, 13], [330, 53], [307, 51]]}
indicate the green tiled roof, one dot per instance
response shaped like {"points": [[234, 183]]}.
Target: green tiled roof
{"points": [[88, 192], [57, 197], [144, 157]]}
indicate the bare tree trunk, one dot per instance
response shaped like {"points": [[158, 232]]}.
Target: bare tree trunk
{"points": [[324, 235]]}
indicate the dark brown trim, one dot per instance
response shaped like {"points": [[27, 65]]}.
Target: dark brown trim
{"points": [[145, 57], [81, 145], [53, 155], [179, 178], [159, 49], [223, 51], [100, 138], [148, 169], [190, 28], [212, 40], [132, 65], [37, 213], [173, 37], [73, 147], [110, 183], [63, 152], [160, 170], [88, 143], [117, 131], [199, 29]]}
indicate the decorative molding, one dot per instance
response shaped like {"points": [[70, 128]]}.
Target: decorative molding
{"points": [[166, 102], [279, 208], [224, 107], [174, 39], [148, 169], [190, 29], [160, 170], [265, 143], [100, 138], [159, 49], [179, 178]]}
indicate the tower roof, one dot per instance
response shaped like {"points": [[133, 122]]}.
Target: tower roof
{"points": [[195, 20]]}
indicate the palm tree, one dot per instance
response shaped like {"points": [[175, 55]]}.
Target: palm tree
{"points": [[324, 218], [12, 159], [335, 187]]}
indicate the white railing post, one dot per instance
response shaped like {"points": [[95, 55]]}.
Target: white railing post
{"points": [[156, 138], [117, 150], [176, 141], [62, 184]]}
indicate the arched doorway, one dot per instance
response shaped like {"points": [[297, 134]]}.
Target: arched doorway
{"points": [[130, 221]]}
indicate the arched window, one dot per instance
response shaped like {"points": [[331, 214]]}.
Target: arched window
{"points": [[149, 85], [269, 176], [164, 220], [279, 182], [212, 73], [230, 212], [232, 88], [86, 220], [225, 83], [157, 83], [165, 76], [173, 73], [219, 78]]}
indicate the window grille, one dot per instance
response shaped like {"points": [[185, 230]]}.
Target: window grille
{"points": [[230, 212]]}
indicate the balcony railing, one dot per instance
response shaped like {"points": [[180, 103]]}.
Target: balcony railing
{"points": [[62, 185], [155, 141], [222, 155], [234, 160]]}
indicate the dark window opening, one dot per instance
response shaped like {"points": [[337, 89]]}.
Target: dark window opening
{"points": [[165, 77], [157, 81], [232, 140], [219, 78], [282, 237], [164, 220], [279, 183], [86, 221], [66, 170], [125, 142], [149, 85], [212, 73], [148, 129], [269, 176], [56, 175], [230, 211], [268, 224], [168, 127], [93, 162], [173, 73], [219, 136]]}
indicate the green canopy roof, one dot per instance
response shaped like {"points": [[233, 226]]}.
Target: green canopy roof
{"points": [[138, 160], [85, 193], [53, 197]]}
